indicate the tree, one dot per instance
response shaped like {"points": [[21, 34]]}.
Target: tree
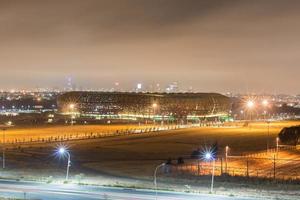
{"points": [[290, 135], [196, 154], [180, 160]]}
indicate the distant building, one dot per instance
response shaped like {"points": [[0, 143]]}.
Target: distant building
{"points": [[172, 88], [138, 87], [135, 106]]}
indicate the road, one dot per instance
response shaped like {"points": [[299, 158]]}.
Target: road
{"points": [[43, 191]]}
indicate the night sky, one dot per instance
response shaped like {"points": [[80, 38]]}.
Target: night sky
{"points": [[221, 46]]}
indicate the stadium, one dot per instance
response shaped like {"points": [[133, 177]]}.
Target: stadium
{"points": [[139, 106]]}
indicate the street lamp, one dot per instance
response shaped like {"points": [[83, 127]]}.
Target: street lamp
{"points": [[208, 156], [226, 156], [265, 103], [63, 151], [3, 148], [72, 107], [277, 145], [250, 106], [268, 122], [155, 183], [154, 106], [9, 123]]}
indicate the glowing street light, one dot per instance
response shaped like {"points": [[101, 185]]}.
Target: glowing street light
{"points": [[3, 148], [9, 123], [268, 123], [208, 156], [226, 156], [155, 183], [62, 151], [72, 106], [250, 105], [265, 102]]}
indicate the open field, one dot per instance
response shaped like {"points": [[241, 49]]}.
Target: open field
{"points": [[25, 134], [130, 160], [137, 155]]}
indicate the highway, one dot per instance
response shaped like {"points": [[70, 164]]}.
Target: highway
{"points": [[43, 191]]}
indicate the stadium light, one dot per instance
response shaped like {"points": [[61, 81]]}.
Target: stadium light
{"points": [[62, 151], [72, 106], [250, 104], [9, 123], [265, 102]]}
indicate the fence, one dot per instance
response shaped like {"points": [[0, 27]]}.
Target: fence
{"points": [[92, 135], [97, 135], [281, 165]]}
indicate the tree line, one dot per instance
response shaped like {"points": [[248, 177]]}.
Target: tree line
{"points": [[290, 135]]}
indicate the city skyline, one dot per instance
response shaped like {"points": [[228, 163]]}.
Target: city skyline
{"points": [[212, 46]]}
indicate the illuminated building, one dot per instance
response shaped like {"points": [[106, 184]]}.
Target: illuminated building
{"points": [[135, 106]]}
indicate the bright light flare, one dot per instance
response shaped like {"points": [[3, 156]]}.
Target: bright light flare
{"points": [[72, 106], [61, 150], [208, 154], [265, 102], [154, 105], [250, 104]]}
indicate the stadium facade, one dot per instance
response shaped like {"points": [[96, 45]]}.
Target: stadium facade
{"points": [[139, 106]]}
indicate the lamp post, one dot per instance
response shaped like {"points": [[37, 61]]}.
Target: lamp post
{"points": [[226, 156], [209, 157], [3, 148], [62, 151], [277, 145], [268, 122], [72, 106], [155, 183], [9, 123], [265, 104], [250, 105]]}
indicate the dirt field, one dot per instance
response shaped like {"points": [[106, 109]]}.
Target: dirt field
{"points": [[21, 134], [137, 155]]}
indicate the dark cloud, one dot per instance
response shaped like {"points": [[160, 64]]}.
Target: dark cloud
{"points": [[211, 45]]}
